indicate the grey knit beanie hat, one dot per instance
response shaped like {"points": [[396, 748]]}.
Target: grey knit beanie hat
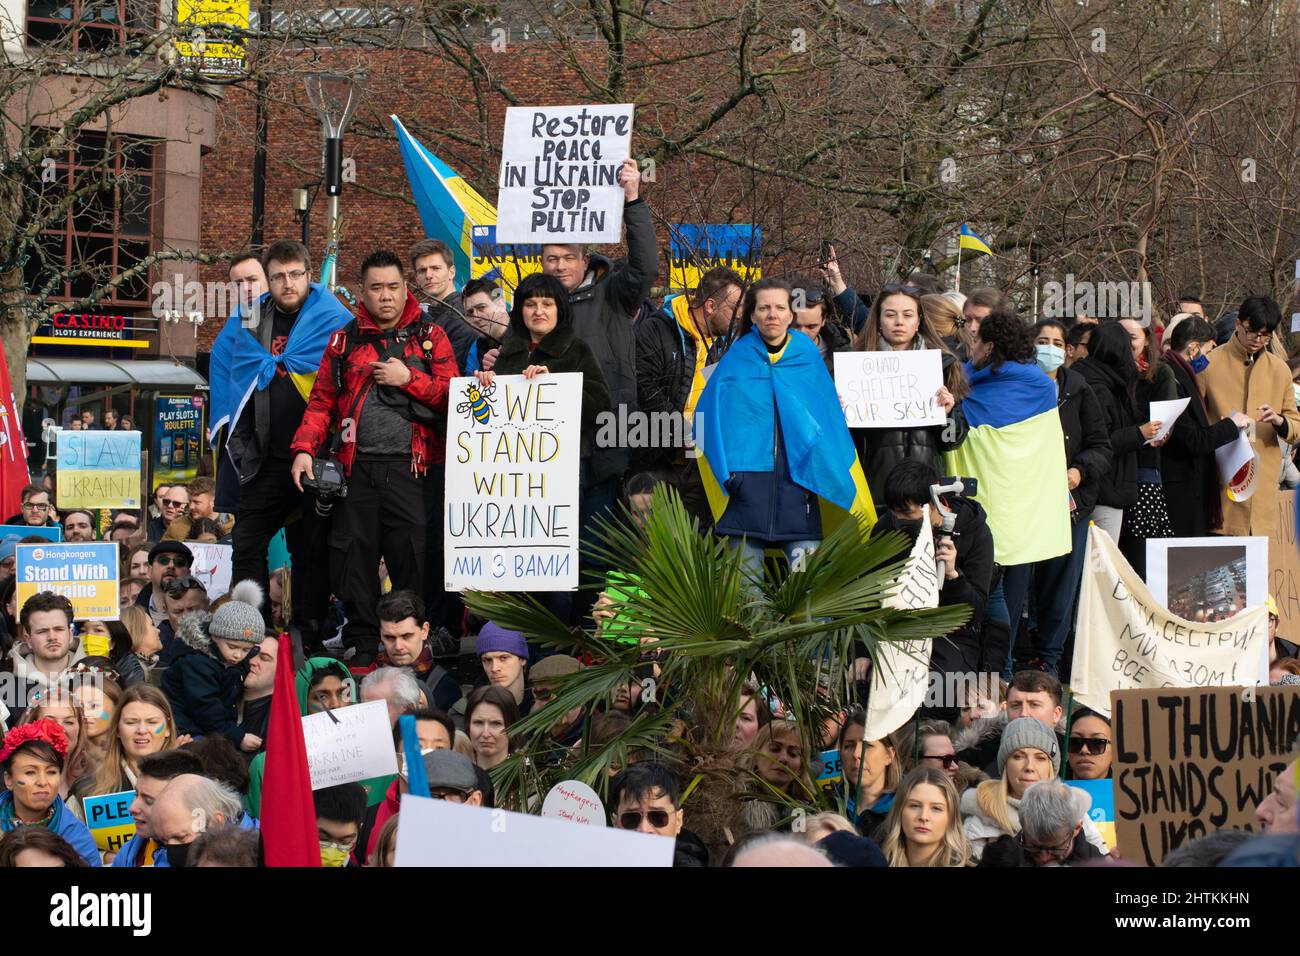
{"points": [[1028, 732], [240, 618]]}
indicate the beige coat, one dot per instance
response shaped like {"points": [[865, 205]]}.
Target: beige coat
{"points": [[1232, 385]]}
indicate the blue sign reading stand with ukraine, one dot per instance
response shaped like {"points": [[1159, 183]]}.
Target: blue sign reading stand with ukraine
{"points": [[83, 572]]}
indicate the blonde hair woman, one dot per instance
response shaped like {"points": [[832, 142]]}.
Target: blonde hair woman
{"points": [[141, 725], [924, 826], [781, 760], [946, 318]]}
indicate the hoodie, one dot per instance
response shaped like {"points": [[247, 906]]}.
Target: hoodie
{"points": [[22, 663], [561, 350], [203, 689]]}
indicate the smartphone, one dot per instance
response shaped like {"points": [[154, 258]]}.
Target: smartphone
{"points": [[825, 253]]}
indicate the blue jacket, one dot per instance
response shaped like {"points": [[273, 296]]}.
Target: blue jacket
{"points": [[769, 505], [66, 825], [130, 852]]}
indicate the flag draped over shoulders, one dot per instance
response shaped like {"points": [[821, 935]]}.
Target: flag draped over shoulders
{"points": [[240, 365], [1016, 451], [735, 424]]}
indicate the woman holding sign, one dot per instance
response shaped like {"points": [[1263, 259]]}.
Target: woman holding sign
{"points": [[896, 323]]}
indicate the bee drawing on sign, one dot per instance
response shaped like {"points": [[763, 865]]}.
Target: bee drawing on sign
{"points": [[478, 405]]}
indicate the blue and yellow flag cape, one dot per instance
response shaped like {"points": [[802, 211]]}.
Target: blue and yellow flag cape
{"points": [[1016, 451], [735, 421], [968, 240], [449, 206], [240, 365]]}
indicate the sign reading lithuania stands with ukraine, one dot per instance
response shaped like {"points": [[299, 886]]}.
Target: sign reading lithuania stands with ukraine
{"points": [[98, 469]]}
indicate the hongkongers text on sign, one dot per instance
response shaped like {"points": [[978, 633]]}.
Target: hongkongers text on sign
{"points": [[512, 484], [98, 469], [1193, 760], [559, 173], [84, 573]]}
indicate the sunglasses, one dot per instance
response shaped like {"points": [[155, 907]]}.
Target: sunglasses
{"points": [[178, 586], [1093, 746], [632, 819], [949, 761], [170, 503], [167, 560]]}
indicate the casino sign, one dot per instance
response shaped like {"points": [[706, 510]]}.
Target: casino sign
{"points": [[91, 328]]}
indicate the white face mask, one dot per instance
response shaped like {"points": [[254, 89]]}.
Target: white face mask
{"points": [[1050, 357]]}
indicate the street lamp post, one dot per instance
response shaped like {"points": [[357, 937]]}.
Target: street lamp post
{"points": [[334, 96]]}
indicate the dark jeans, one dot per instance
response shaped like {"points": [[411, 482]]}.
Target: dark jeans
{"points": [[265, 504], [444, 607], [1056, 587], [383, 515]]}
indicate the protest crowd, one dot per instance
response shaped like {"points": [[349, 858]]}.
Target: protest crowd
{"points": [[785, 744]]}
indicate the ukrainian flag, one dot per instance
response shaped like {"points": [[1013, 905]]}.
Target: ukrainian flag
{"points": [[449, 206], [1016, 451], [736, 422], [968, 240]]}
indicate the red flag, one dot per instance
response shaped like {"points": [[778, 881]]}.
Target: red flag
{"points": [[13, 447], [289, 835]]}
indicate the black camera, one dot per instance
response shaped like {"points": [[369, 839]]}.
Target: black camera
{"points": [[328, 484]]}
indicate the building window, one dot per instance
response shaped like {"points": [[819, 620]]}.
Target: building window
{"points": [[91, 25], [107, 230]]}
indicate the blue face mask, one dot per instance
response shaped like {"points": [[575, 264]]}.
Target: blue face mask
{"points": [[1050, 357], [1200, 364]]}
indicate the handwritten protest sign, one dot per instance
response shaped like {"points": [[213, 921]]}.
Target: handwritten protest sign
{"points": [[1284, 566], [109, 819], [1102, 809], [574, 801], [1189, 761], [1125, 640], [890, 389], [50, 532], [213, 565], [85, 574], [512, 484], [559, 173], [349, 743], [443, 834], [902, 668], [98, 469]]}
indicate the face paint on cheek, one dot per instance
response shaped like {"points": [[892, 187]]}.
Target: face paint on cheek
{"points": [[159, 730]]}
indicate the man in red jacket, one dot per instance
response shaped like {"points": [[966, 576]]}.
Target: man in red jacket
{"points": [[382, 381]]}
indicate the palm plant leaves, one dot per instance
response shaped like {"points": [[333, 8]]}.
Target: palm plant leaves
{"points": [[688, 598]]}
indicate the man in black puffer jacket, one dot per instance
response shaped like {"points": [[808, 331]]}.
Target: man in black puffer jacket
{"points": [[673, 347], [605, 301]]}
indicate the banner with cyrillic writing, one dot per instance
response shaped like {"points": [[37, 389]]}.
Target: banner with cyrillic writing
{"points": [[559, 173], [890, 389], [1193, 760], [1125, 640], [109, 819], [84, 573], [98, 469], [901, 670], [512, 483]]}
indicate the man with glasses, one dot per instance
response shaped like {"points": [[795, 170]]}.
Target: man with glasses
{"points": [[171, 504], [167, 560], [936, 748], [1051, 825], [1244, 376], [36, 511], [673, 348], [261, 378], [340, 811]]}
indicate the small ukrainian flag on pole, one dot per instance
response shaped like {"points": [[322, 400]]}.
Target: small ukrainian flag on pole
{"points": [[968, 240]]}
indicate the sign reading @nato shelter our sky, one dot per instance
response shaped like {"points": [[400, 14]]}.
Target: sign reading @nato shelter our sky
{"points": [[559, 173]]}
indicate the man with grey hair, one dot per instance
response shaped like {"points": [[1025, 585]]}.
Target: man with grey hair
{"points": [[778, 850], [396, 687], [190, 805], [1051, 825]]}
